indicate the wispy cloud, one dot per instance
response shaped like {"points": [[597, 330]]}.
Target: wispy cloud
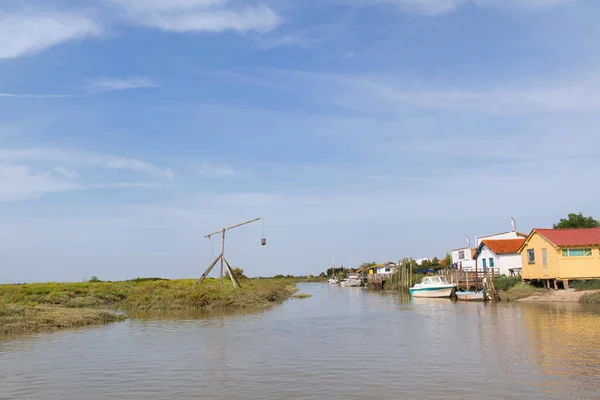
{"points": [[27, 33], [211, 170], [391, 94], [84, 159], [437, 7], [200, 15], [32, 173], [37, 96], [112, 84]]}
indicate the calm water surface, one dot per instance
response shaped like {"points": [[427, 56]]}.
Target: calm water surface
{"points": [[342, 343]]}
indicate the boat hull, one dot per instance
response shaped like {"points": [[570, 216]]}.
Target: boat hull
{"points": [[351, 284], [470, 296], [432, 292]]}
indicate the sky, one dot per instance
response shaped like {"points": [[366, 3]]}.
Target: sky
{"points": [[359, 130]]}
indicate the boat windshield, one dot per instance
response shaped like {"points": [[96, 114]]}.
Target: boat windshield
{"points": [[435, 279]]}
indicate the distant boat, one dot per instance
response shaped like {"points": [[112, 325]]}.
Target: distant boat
{"points": [[351, 281], [432, 286], [470, 296], [332, 281]]}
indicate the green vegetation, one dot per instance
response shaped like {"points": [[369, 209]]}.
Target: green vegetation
{"points": [[590, 298], [16, 318], [52, 302], [302, 296], [592, 284], [577, 221], [503, 282], [520, 291]]}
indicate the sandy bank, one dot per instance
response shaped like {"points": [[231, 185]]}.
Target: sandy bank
{"points": [[569, 295]]}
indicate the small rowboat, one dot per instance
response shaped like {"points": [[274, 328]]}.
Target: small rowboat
{"points": [[470, 296]]}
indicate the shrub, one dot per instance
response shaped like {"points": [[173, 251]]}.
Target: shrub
{"points": [[504, 282]]}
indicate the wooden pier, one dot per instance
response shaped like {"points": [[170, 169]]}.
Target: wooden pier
{"points": [[468, 279]]}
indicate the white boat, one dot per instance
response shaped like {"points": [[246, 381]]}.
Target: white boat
{"points": [[470, 296], [351, 281], [332, 281], [432, 286]]}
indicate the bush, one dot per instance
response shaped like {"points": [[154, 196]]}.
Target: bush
{"points": [[95, 279], [504, 282], [585, 285]]}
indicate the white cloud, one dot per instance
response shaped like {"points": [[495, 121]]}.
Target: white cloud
{"points": [[37, 96], [28, 33], [84, 159], [210, 170], [200, 15], [111, 84], [33, 173], [380, 95], [18, 182], [437, 7]]}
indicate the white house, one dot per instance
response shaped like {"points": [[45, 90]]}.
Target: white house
{"points": [[463, 258], [500, 254], [387, 268]]}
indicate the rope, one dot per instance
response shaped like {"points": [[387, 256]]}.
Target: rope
{"points": [[263, 227], [212, 250]]}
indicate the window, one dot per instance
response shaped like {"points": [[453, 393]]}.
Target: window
{"points": [[544, 258], [484, 264], [491, 262], [531, 256], [388, 269], [576, 252], [461, 255]]}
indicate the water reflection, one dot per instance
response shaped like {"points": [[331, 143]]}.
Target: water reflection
{"points": [[342, 343]]}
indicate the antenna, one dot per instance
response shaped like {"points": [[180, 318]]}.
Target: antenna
{"points": [[468, 242], [514, 224]]}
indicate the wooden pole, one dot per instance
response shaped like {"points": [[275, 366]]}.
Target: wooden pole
{"points": [[232, 275], [410, 276], [222, 257], [205, 274]]}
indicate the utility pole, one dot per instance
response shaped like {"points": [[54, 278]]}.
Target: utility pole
{"points": [[221, 257]]}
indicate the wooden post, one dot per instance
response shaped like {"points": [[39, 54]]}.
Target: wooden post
{"points": [[410, 275], [476, 278], [566, 284], [222, 257], [205, 274], [236, 283]]}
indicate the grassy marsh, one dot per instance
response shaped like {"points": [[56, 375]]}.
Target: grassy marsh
{"points": [[43, 306]]}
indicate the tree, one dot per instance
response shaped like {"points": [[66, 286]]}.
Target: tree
{"points": [[95, 279], [577, 221]]}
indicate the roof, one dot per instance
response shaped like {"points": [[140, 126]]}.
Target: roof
{"points": [[504, 233], [473, 252], [571, 237], [503, 246]]}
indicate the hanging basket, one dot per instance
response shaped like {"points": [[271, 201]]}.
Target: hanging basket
{"points": [[263, 241]]}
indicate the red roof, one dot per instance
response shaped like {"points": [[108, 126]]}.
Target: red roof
{"points": [[504, 246], [571, 237]]}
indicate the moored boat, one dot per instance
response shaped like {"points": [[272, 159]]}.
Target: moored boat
{"points": [[470, 296], [351, 281], [432, 286]]}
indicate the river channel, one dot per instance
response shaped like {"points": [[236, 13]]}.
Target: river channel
{"points": [[342, 343]]}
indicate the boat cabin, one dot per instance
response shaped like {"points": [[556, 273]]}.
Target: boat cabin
{"points": [[434, 280]]}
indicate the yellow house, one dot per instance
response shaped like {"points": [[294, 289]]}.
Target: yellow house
{"points": [[551, 256]]}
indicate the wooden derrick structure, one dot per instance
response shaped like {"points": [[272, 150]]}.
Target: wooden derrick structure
{"points": [[221, 257]]}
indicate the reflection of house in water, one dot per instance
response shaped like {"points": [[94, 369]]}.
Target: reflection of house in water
{"points": [[564, 338]]}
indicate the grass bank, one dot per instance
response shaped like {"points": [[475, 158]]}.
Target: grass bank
{"points": [[15, 318], [76, 299], [520, 291], [590, 298]]}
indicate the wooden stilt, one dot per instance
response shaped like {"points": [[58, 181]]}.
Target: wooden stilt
{"points": [[236, 283], [566, 283], [205, 274]]}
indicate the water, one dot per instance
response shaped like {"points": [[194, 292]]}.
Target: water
{"points": [[342, 343]]}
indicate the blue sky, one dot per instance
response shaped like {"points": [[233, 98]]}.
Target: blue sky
{"points": [[363, 130]]}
